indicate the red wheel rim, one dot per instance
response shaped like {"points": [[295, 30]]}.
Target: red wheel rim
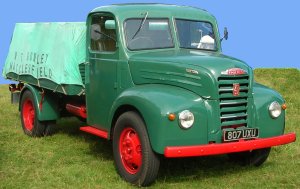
{"points": [[28, 114], [130, 150]]}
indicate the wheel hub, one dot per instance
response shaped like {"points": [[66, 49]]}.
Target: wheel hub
{"points": [[130, 150], [28, 114]]}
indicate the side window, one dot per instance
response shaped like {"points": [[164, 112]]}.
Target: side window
{"points": [[103, 33]]}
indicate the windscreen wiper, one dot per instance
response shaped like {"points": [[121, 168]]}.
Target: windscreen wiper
{"points": [[141, 26]]}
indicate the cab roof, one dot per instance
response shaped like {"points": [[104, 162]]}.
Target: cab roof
{"points": [[129, 10]]}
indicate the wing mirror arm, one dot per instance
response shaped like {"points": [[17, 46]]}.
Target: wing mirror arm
{"points": [[225, 34]]}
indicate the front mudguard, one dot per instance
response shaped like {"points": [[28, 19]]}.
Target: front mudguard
{"points": [[268, 126], [154, 102], [47, 108]]}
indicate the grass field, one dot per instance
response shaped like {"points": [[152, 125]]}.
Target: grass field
{"points": [[72, 159]]}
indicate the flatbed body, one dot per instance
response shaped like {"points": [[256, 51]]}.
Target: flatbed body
{"points": [[48, 55]]}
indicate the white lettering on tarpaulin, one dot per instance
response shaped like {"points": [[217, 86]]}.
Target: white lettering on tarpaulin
{"points": [[31, 63]]}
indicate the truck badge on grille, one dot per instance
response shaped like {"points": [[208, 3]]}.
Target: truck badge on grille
{"points": [[236, 89], [234, 71]]}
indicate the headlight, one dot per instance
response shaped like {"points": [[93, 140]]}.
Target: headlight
{"points": [[275, 109], [186, 119]]}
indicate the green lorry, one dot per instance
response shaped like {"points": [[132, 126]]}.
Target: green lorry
{"points": [[149, 77]]}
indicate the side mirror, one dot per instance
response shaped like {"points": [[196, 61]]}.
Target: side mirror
{"points": [[95, 32], [225, 33], [110, 24]]}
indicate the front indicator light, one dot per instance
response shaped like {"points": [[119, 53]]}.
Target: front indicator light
{"points": [[172, 117], [275, 109], [186, 119], [283, 106]]}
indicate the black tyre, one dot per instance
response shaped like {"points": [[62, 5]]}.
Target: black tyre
{"points": [[254, 157], [134, 158], [50, 128], [30, 123]]}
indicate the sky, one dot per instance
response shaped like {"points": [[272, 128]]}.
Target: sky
{"points": [[265, 34]]}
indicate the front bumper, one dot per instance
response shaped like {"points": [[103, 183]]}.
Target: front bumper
{"points": [[225, 148]]}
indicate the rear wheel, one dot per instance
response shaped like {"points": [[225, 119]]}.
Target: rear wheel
{"points": [[30, 123], [254, 157], [134, 158]]}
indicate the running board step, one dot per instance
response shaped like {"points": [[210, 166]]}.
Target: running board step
{"points": [[95, 131]]}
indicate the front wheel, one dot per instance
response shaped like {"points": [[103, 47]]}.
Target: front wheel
{"points": [[134, 158], [254, 157]]}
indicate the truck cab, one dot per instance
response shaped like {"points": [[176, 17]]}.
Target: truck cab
{"points": [[165, 63]]}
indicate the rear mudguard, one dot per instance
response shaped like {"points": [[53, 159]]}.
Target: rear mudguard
{"points": [[47, 107]]}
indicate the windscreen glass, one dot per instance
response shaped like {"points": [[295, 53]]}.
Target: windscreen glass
{"points": [[148, 33], [195, 34]]}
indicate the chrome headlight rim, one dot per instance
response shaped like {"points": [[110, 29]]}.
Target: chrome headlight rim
{"points": [[186, 119], [275, 109]]}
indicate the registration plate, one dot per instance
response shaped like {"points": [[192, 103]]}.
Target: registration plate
{"points": [[237, 134]]}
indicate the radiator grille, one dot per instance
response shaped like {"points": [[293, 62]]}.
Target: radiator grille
{"points": [[233, 109]]}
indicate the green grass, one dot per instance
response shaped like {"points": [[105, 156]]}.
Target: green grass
{"points": [[72, 159]]}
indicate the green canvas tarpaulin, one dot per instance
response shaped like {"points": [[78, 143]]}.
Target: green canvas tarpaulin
{"points": [[47, 51]]}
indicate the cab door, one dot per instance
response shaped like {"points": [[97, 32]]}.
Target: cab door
{"points": [[101, 86]]}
